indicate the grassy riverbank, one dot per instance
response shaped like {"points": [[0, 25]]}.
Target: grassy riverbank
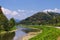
{"points": [[48, 32], [31, 34], [11, 30]]}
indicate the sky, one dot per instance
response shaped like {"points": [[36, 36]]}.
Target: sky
{"points": [[20, 9]]}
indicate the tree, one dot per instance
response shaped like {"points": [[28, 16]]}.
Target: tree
{"points": [[11, 23], [3, 21]]}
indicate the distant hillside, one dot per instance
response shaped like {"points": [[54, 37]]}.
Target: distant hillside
{"points": [[42, 18]]}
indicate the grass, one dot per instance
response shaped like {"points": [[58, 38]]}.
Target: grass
{"points": [[14, 28], [11, 30], [49, 33]]}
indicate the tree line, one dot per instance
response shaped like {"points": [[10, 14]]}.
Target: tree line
{"points": [[5, 24]]}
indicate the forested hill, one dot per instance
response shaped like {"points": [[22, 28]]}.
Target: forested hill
{"points": [[42, 18]]}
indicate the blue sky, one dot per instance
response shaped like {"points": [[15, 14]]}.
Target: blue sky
{"points": [[30, 4], [36, 5]]}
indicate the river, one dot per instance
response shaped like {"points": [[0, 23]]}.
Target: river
{"points": [[17, 35]]}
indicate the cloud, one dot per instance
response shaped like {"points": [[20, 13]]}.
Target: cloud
{"points": [[22, 14], [14, 13], [21, 10], [52, 10], [7, 11], [19, 14]]}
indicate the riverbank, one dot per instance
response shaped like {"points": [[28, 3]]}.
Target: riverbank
{"points": [[48, 32], [30, 35], [11, 30], [3, 32]]}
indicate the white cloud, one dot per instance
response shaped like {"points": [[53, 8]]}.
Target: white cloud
{"points": [[21, 10], [14, 13], [6, 11], [22, 14], [52, 10], [19, 14]]}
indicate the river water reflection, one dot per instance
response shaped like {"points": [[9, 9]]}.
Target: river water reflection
{"points": [[17, 35], [7, 36]]}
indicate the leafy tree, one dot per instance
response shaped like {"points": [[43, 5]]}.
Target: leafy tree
{"points": [[11, 23], [3, 21]]}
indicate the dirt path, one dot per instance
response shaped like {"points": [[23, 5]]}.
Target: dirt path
{"points": [[30, 35], [58, 38], [58, 27]]}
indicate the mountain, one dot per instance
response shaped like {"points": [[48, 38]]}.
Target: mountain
{"points": [[42, 18]]}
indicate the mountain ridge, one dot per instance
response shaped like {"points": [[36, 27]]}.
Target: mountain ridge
{"points": [[42, 18]]}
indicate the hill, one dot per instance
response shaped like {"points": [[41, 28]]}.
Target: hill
{"points": [[42, 18]]}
